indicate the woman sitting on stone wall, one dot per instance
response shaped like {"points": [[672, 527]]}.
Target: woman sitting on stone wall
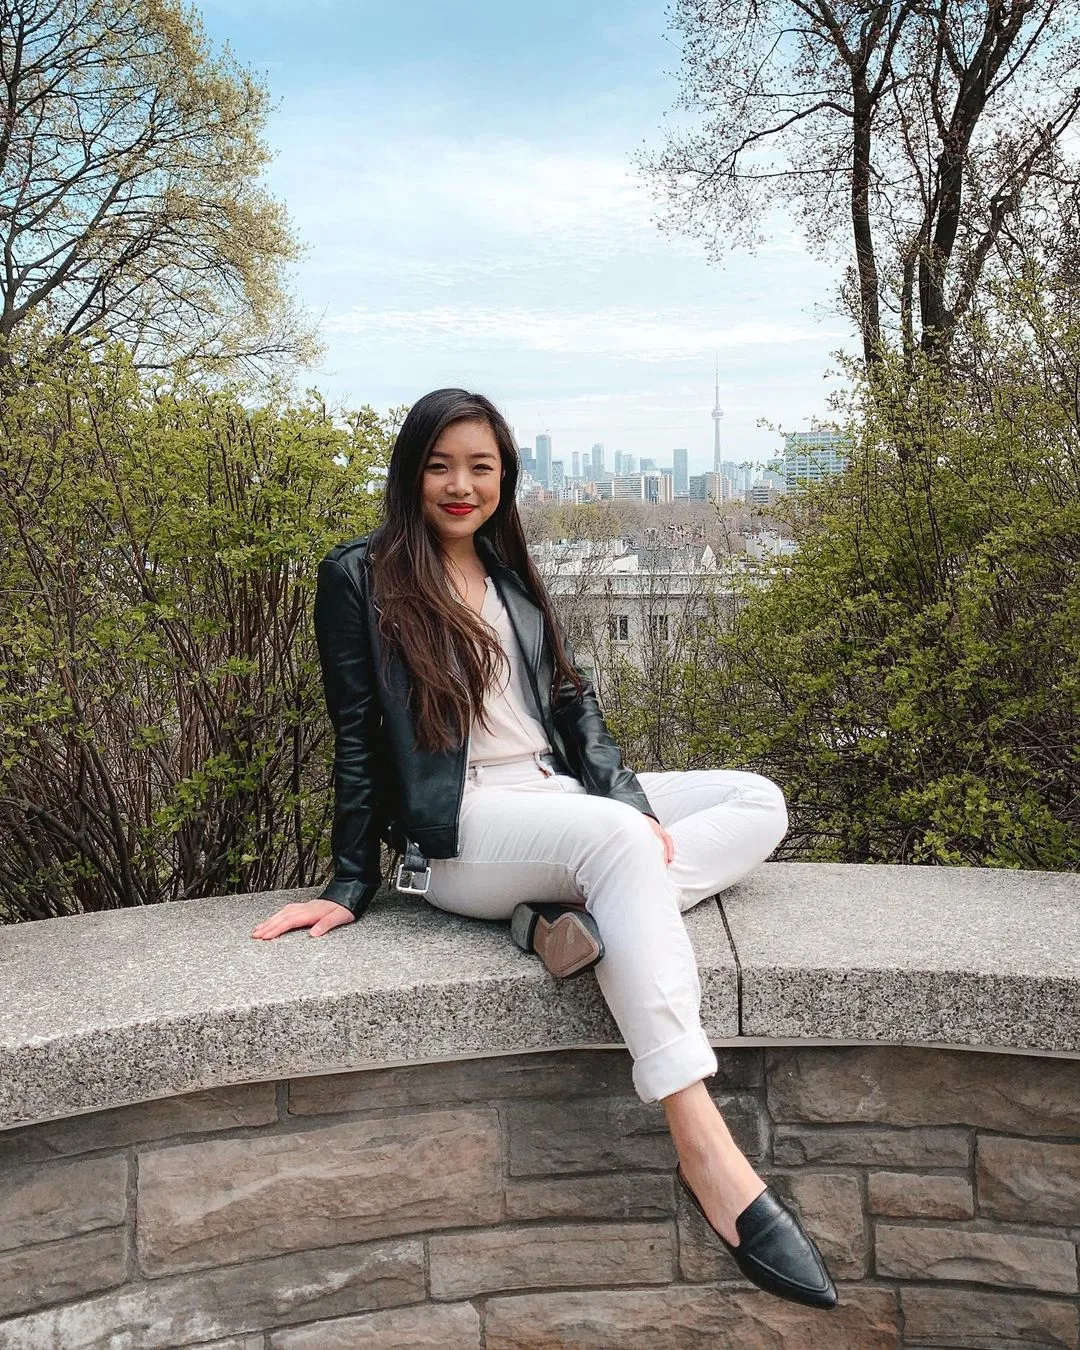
{"points": [[468, 739]]}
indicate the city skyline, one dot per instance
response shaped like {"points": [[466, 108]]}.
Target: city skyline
{"points": [[472, 219]]}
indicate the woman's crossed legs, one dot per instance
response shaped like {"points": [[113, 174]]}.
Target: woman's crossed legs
{"points": [[526, 835]]}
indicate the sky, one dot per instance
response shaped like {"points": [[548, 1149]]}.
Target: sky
{"points": [[460, 176]]}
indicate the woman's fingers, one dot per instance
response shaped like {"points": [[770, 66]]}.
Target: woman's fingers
{"points": [[318, 915]]}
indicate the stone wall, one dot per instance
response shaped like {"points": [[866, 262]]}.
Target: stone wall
{"points": [[529, 1201]]}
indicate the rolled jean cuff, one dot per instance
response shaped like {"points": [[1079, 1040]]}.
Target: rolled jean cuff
{"points": [[674, 1066]]}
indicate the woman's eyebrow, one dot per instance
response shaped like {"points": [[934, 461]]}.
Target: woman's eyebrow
{"points": [[473, 454]]}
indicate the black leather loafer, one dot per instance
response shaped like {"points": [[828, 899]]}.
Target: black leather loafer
{"points": [[775, 1252], [565, 937]]}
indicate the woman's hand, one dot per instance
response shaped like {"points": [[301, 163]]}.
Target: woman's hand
{"points": [[318, 915], [664, 837]]}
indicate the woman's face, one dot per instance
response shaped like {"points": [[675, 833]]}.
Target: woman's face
{"points": [[464, 468]]}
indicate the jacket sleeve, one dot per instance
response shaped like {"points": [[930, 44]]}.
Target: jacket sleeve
{"points": [[600, 759], [353, 705]]}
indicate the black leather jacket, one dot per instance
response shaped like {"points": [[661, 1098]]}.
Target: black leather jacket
{"points": [[388, 788]]}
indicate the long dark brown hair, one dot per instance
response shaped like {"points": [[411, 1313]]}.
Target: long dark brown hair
{"points": [[419, 615]]}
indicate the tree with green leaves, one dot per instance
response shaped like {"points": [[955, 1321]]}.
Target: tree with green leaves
{"points": [[130, 205]]}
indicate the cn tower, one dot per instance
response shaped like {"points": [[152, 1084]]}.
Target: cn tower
{"points": [[717, 413]]}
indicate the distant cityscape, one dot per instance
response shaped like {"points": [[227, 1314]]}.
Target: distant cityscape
{"points": [[808, 456]]}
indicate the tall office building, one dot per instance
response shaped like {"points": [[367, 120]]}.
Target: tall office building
{"points": [[681, 469], [648, 465], [628, 464], [618, 463], [575, 465], [586, 465], [717, 414], [543, 459], [557, 480], [597, 462], [810, 456]]}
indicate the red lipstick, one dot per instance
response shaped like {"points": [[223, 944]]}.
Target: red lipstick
{"points": [[457, 510]]}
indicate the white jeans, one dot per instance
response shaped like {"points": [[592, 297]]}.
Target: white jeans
{"points": [[562, 844]]}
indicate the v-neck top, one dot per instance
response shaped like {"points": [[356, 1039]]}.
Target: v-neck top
{"points": [[515, 732]]}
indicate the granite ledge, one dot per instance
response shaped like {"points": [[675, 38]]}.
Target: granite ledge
{"points": [[109, 1009]]}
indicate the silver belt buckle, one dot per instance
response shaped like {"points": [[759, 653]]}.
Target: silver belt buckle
{"points": [[404, 871]]}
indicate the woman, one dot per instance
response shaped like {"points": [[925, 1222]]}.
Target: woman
{"points": [[454, 692]]}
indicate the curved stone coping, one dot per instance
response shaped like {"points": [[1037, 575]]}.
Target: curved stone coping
{"points": [[103, 1010]]}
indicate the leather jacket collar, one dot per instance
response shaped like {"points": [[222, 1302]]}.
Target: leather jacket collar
{"points": [[387, 788]]}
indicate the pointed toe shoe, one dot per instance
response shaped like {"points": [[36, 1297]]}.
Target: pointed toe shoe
{"points": [[774, 1251]]}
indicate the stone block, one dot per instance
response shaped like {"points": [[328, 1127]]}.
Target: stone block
{"points": [[256, 1341], [1030, 1180], [45, 1201], [226, 1108], [912, 1085], [915, 1195], [424, 1326], [229, 1301], [975, 1320], [34, 1277], [601, 1134], [869, 1146], [462, 1265], [688, 1317], [914, 1252], [233, 1199], [830, 1207], [618, 1195], [451, 1082], [605, 1134]]}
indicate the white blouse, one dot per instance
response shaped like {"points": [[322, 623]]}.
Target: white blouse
{"points": [[515, 732]]}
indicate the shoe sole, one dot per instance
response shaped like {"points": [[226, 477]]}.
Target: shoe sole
{"points": [[564, 944]]}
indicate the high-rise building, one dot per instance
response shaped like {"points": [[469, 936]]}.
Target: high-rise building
{"points": [[586, 465], [597, 462], [629, 464], [528, 460], [810, 456], [647, 465], [557, 480], [681, 470], [543, 459], [575, 464]]}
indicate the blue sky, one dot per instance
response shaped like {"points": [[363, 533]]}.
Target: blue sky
{"points": [[461, 177]]}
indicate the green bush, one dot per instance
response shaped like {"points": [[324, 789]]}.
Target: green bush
{"points": [[913, 679], [162, 730]]}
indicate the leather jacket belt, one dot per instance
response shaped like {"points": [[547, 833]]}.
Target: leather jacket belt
{"points": [[414, 863]]}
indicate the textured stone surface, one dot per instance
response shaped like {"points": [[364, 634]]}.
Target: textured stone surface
{"points": [[913, 1252], [230, 1301], [587, 1135], [869, 1145], [915, 1085], [184, 999], [440, 1326], [56, 1200], [686, 1317], [256, 1341], [974, 1320], [830, 1207], [465, 1264], [240, 1199], [909, 1195], [216, 1109], [1028, 1180], [618, 1195], [33, 1277], [858, 952]]}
